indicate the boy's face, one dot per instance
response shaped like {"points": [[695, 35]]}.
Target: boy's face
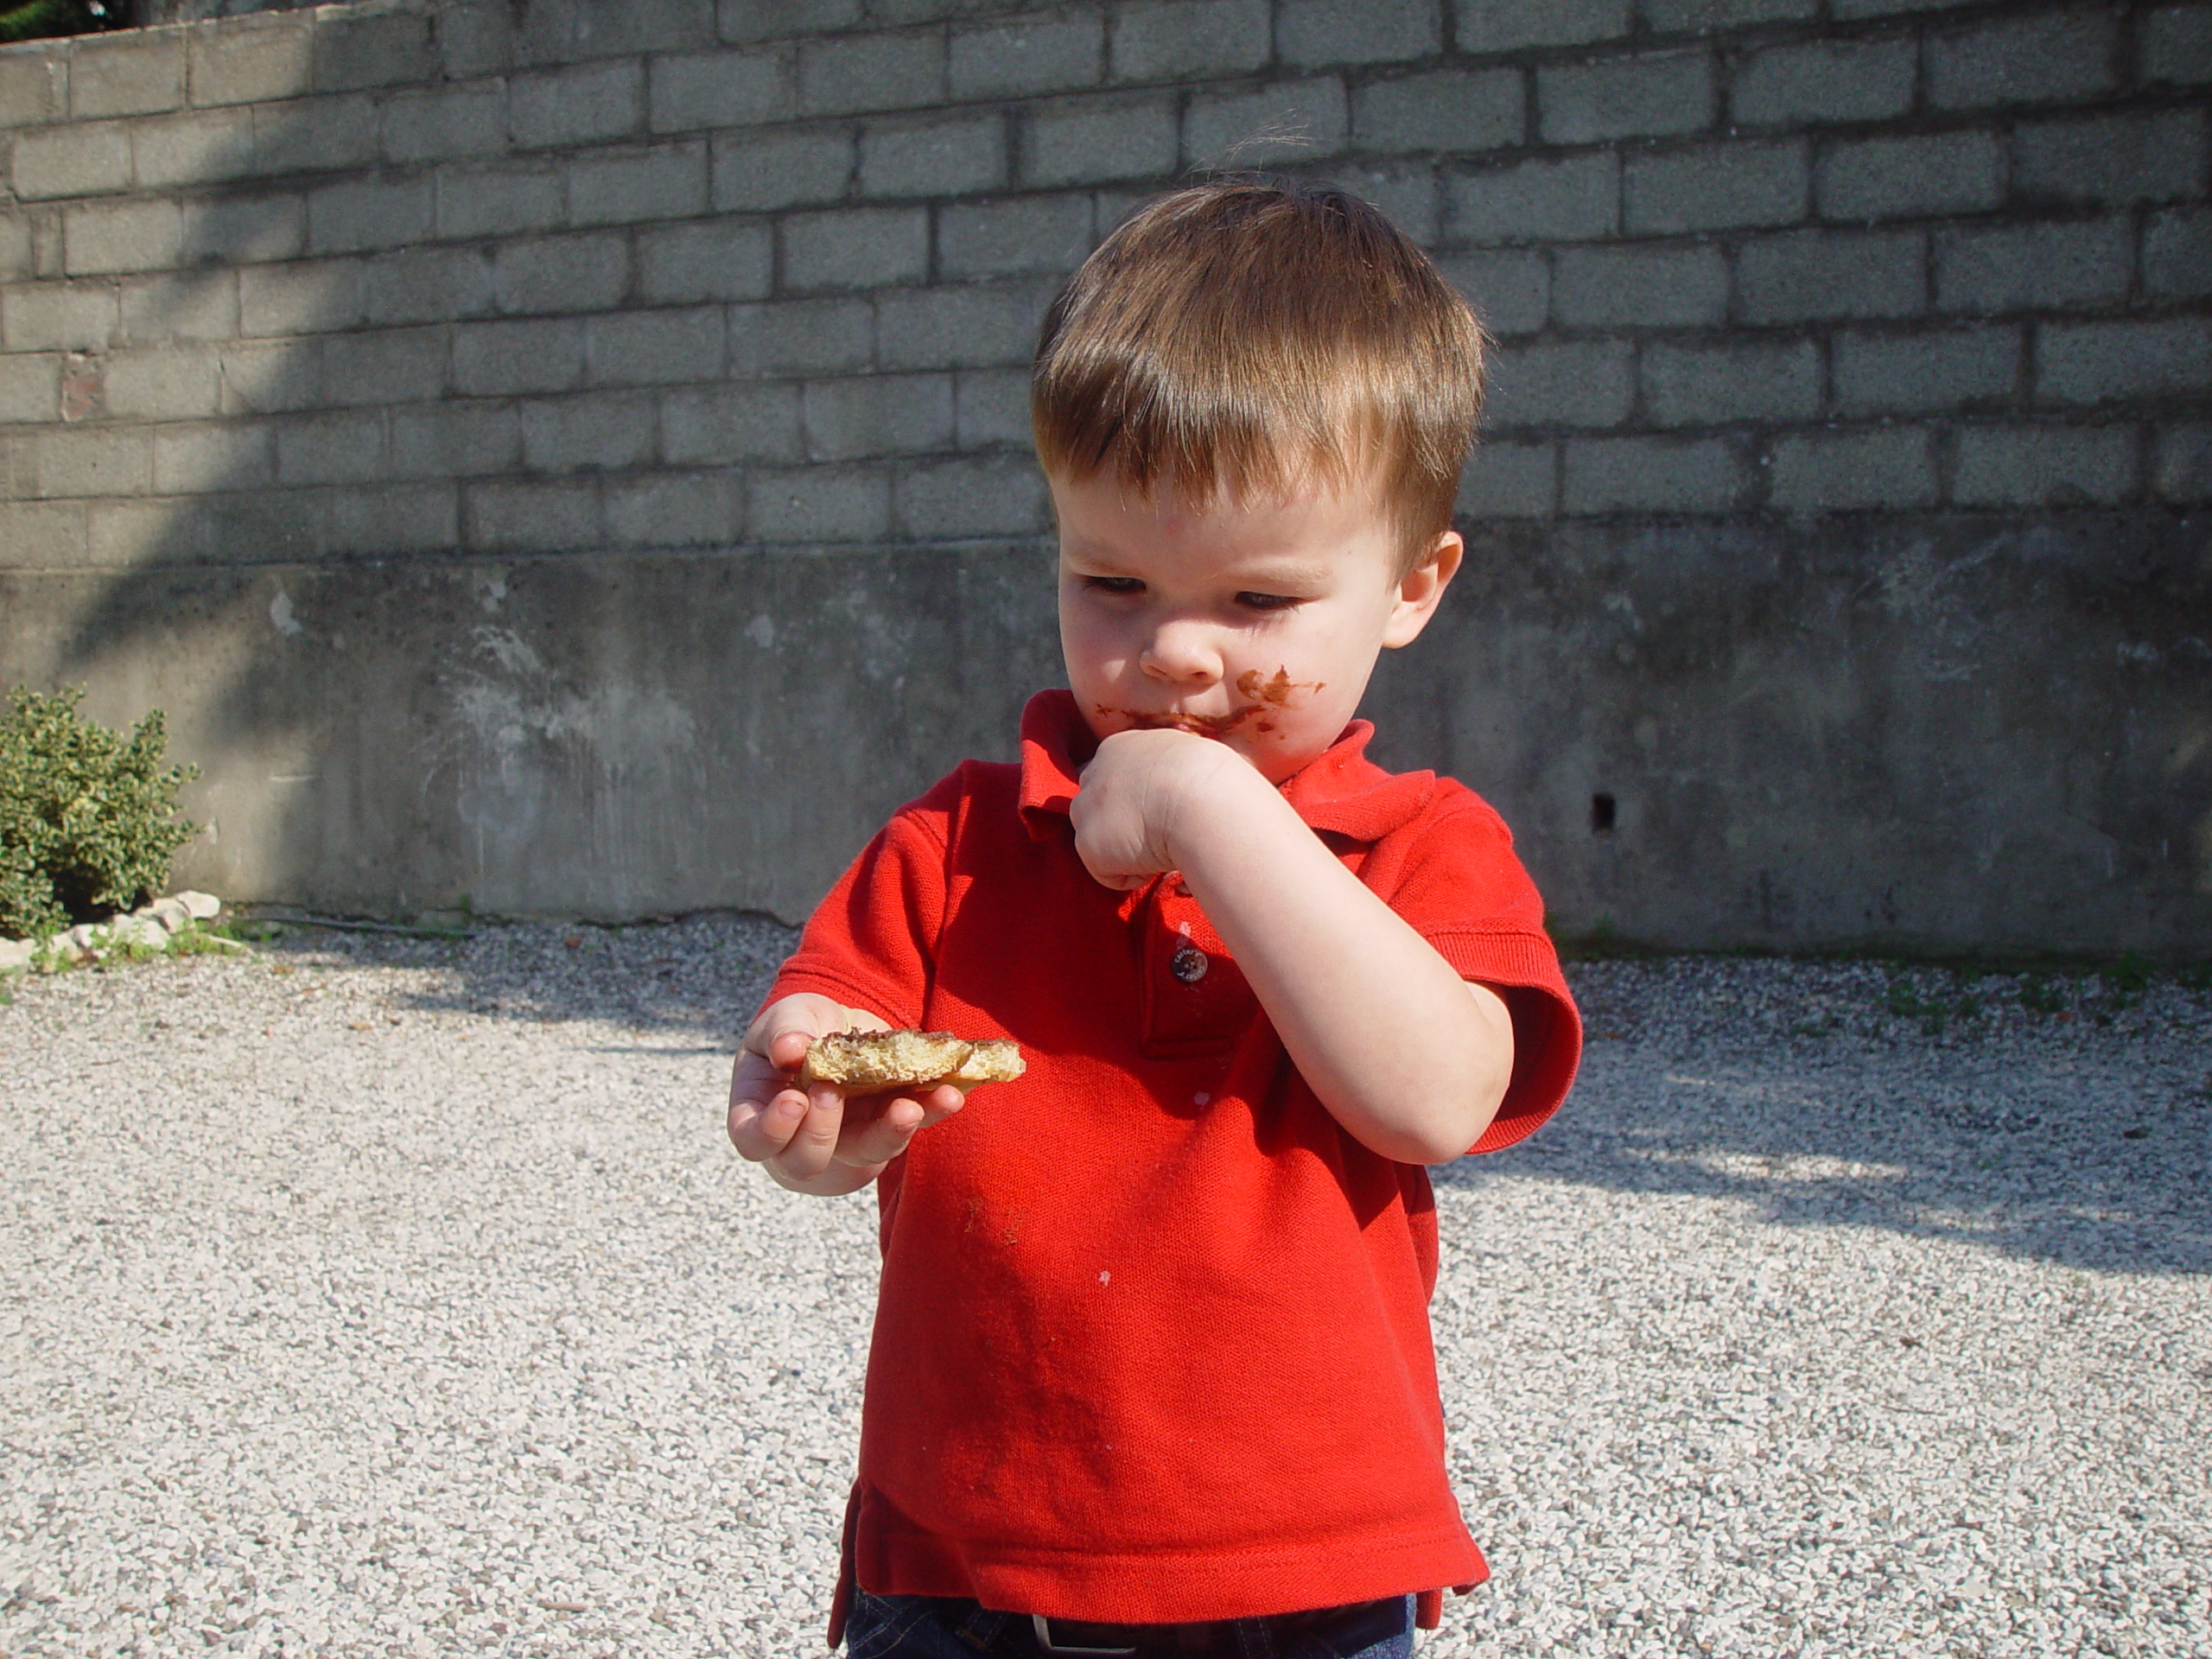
{"points": [[1256, 622]]}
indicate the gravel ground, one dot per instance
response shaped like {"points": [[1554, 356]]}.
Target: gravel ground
{"points": [[387, 1296]]}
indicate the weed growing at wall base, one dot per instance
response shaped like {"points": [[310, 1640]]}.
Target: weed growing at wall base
{"points": [[88, 819]]}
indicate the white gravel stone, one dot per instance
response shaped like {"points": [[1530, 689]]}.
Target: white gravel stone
{"points": [[375, 1296], [174, 914], [139, 928]]}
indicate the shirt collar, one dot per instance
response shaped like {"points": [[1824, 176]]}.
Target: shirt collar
{"points": [[1340, 791]]}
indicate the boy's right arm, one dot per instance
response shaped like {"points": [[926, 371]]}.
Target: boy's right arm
{"points": [[814, 1139]]}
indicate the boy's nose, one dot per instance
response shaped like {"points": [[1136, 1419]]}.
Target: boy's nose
{"points": [[1183, 655]]}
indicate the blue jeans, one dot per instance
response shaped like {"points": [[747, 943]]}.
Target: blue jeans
{"points": [[930, 1627]]}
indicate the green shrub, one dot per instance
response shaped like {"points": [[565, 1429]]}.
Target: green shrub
{"points": [[87, 817]]}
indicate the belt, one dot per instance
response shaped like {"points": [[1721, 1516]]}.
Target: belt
{"points": [[1076, 1635]]}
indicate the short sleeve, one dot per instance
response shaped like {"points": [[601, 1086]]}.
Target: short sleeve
{"points": [[1453, 873], [872, 942]]}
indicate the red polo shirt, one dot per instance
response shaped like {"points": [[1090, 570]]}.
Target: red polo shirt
{"points": [[1153, 1344]]}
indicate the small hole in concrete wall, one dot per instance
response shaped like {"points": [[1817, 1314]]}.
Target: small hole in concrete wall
{"points": [[1601, 814]]}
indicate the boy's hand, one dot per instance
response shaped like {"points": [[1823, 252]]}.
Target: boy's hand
{"points": [[1330, 961], [1136, 796], [815, 1140]]}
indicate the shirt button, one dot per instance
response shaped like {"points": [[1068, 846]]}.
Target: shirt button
{"points": [[1188, 964]]}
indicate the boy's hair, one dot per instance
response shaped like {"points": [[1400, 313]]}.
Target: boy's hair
{"points": [[1241, 336]]}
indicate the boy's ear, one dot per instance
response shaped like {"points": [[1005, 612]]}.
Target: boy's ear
{"points": [[1422, 589]]}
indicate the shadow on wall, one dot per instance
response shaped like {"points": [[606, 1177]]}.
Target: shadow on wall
{"points": [[390, 724], [409, 736]]}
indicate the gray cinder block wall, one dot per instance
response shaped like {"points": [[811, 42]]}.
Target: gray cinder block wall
{"points": [[572, 459]]}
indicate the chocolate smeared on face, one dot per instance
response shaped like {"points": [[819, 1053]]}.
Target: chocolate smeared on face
{"points": [[1266, 696], [1275, 692]]}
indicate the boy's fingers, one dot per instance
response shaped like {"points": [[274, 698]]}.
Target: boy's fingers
{"points": [[891, 1127], [1118, 881], [903, 1119], [761, 1123], [891, 1131], [787, 1049], [753, 1084], [813, 1142], [799, 1133], [785, 1045], [884, 1136]]}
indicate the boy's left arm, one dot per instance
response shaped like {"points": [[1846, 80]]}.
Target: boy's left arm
{"points": [[1412, 1059]]}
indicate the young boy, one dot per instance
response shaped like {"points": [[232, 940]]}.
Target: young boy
{"points": [[1151, 1368]]}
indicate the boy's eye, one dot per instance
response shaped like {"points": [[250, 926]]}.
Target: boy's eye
{"points": [[1113, 584], [1266, 601]]}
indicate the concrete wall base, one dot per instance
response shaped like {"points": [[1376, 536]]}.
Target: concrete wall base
{"points": [[1963, 734]]}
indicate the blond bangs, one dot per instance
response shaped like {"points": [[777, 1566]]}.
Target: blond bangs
{"points": [[1251, 341]]}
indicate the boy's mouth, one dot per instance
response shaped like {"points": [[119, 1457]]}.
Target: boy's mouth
{"points": [[1265, 698]]}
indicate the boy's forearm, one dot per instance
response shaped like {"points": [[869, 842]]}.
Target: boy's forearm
{"points": [[1408, 1057]]}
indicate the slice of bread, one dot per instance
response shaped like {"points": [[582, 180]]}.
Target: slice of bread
{"points": [[873, 1061]]}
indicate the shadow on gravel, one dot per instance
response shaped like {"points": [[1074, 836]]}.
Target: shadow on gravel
{"points": [[2081, 1156], [2059, 1161], [700, 977]]}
